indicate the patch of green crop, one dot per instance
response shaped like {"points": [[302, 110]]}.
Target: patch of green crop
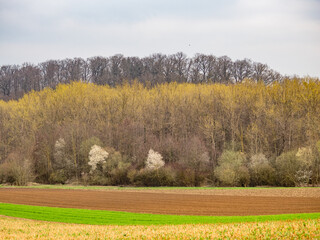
{"points": [[100, 217]]}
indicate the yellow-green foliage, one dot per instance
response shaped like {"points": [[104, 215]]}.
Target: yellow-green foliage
{"points": [[248, 117], [11, 228]]}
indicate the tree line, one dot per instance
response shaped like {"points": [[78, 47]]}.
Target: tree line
{"points": [[173, 134], [16, 80]]}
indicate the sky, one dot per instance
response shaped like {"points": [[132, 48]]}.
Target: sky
{"points": [[285, 34]]}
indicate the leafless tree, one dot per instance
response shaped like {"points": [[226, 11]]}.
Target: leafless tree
{"points": [[155, 69], [116, 71], [6, 79], [181, 66], [241, 69], [223, 68], [99, 71]]}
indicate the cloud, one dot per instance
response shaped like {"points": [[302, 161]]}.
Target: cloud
{"points": [[282, 33]]}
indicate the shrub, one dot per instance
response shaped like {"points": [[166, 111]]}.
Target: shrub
{"points": [[98, 179], [303, 177], [153, 178], [305, 157], [243, 176], [287, 165], [261, 172], [226, 175], [186, 177], [316, 163], [231, 169], [116, 168], [110, 168], [16, 171], [195, 158], [58, 177]]}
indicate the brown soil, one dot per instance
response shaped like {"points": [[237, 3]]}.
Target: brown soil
{"points": [[254, 192], [162, 203]]}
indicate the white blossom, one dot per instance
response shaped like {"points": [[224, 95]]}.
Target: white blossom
{"points": [[59, 152], [59, 145], [258, 160], [305, 156], [97, 155], [154, 160], [303, 177]]}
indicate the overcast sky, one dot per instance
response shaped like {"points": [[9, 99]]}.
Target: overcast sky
{"points": [[285, 34]]}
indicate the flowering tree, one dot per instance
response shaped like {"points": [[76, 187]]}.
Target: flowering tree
{"points": [[304, 174], [59, 148], [154, 160], [305, 156], [97, 155], [61, 160]]}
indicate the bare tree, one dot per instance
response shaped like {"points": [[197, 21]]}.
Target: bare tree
{"points": [[115, 69], [6, 80], [181, 67], [99, 70], [154, 65], [155, 69], [29, 77], [49, 72], [241, 69], [132, 68], [223, 68], [259, 71], [169, 69]]}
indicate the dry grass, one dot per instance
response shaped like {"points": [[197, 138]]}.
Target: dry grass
{"points": [[12, 228]]}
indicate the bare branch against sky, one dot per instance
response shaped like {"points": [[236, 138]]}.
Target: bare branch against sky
{"points": [[285, 34]]}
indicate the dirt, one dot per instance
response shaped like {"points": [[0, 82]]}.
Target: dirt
{"points": [[262, 192], [161, 202]]}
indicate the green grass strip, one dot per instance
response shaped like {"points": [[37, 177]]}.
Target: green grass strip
{"points": [[100, 217]]}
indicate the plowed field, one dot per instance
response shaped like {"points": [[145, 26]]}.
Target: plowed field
{"points": [[212, 203]]}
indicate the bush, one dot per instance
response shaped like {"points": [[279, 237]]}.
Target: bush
{"points": [[98, 179], [153, 178], [287, 166], [261, 172], [111, 168], [196, 160], [316, 164], [116, 168], [58, 177], [16, 171], [243, 176], [189, 178], [231, 169]]}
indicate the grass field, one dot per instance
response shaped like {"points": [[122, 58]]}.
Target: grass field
{"points": [[12, 228], [99, 217]]}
